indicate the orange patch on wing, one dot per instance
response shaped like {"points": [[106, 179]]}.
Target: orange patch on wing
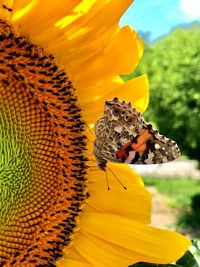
{"points": [[140, 146], [122, 152]]}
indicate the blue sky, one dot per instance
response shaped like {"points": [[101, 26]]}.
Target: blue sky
{"points": [[159, 16]]}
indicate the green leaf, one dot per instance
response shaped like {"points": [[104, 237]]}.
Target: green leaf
{"points": [[188, 260]]}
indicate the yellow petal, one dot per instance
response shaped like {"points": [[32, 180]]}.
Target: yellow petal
{"points": [[21, 4], [132, 91], [117, 200], [6, 9], [34, 21], [115, 59], [72, 263], [120, 241], [123, 172], [75, 259], [21, 8], [135, 91]]}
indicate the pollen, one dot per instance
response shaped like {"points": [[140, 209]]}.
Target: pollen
{"points": [[42, 167]]}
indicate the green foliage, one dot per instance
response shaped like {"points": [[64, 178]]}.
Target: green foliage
{"points": [[180, 191], [188, 260], [190, 219], [172, 64], [184, 196]]}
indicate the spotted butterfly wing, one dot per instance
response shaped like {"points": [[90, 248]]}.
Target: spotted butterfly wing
{"points": [[123, 136]]}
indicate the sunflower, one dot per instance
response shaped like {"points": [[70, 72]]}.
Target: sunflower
{"points": [[60, 60]]}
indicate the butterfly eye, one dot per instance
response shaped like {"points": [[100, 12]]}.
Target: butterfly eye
{"points": [[116, 111]]}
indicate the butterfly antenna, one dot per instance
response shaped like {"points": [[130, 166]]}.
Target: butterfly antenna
{"points": [[108, 187], [117, 178]]}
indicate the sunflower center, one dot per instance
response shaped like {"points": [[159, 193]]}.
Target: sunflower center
{"points": [[42, 170]]}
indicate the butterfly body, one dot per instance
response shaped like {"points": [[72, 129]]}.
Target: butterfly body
{"points": [[123, 136]]}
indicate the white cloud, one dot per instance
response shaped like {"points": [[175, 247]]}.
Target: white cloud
{"points": [[191, 8]]}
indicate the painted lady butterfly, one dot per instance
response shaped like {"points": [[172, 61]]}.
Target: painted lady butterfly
{"points": [[122, 135]]}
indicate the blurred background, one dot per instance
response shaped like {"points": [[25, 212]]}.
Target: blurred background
{"points": [[170, 30]]}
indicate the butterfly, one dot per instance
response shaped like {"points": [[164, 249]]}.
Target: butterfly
{"points": [[123, 136]]}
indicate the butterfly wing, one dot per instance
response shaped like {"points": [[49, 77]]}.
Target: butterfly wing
{"points": [[122, 135], [105, 144], [149, 147]]}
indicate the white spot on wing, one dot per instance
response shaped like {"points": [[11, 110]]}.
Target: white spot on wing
{"points": [[130, 157], [157, 146], [118, 128], [149, 160]]}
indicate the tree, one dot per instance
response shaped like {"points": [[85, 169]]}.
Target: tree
{"points": [[172, 64]]}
